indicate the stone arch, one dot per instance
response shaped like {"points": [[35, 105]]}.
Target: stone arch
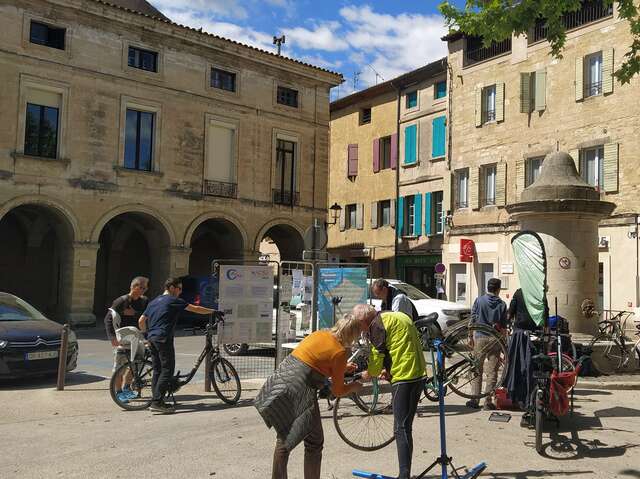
{"points": [[61, 209], [285, 235], [213, 237], [133, 208], [188, 235]]}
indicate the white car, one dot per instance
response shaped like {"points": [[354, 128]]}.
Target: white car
{"points": [[448, 313]]}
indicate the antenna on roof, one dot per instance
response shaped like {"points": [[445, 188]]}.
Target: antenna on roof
{"points": [[356, 76], [279, 41], [377, 74]]}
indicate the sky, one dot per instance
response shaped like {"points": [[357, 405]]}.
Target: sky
{"points": [[367, 42]]}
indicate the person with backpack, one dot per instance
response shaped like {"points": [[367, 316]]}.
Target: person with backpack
{"points": [[393, 299]]}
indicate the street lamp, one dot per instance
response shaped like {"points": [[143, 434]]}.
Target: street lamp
{"points": [[335, 214]]}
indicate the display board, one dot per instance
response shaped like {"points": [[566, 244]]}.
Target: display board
{"points": [[348, 284], [246, 298]]}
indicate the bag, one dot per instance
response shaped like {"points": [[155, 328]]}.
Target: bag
{"points": [[133, 338], [559, 400]]}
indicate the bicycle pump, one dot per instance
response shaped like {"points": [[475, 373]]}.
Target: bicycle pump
{"points": [[443, 460]]}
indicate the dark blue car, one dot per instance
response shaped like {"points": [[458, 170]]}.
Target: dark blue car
{"points": [[29, 342], [201, 291]]}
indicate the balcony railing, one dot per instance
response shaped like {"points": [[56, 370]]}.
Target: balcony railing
{"points": [[283, 197], [593, 89], [220, 188], [591, 11], [488, 115], [477, 53]]}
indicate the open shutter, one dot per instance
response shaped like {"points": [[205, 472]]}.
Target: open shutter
{"points": [[611, 167], [525, 92], [376, 155], [575, 154], [521, 167], [374, 214], [394, 151], [499, 101], [579, 78], [417, 215], [438, 136], [478, 106], [392, 214], [607, 71], [501, 183], [343, 219], [428, 207], [473, 188], [541, 90], [400, 216], [410, 134], [447, 193], [352, 162], [360, 216]]}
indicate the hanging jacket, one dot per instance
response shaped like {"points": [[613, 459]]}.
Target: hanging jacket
{"points": [[519, 381]]}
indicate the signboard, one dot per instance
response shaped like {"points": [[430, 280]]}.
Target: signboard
{"points": [[440, 268], [506, 268], [246, 298], [347, 283], [439, 276], [467, 250]]}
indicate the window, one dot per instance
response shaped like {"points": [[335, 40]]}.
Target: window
{"points": [[385, 212], [533, 168], [489, 104], [438, 137], [223, 80], [592, 166], [412, 100], [440, 90], [287, 96], [352, 160], [139, 136], [47, 35], [385, 152], [143, 59], [285, 192], [462, 188], [488, 185], [219, 170], [438, 211], [593, 75], [41, 131], [409, 216], [365, 116], [351, 212], [411, 145]]}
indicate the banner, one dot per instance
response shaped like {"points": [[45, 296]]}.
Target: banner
{"points": [[531, 266], [467, 250], [348, 284]]}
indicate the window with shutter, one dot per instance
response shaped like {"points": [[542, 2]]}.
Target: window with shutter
{"points": [[438, 133], [575, 155], [592, 166], [540, 90], [607, 71], [428, 219], [438, 212], [520, 177], [501, 184], [374, 214], [417, 215], [533, 168], [479, 115], [525, 93], [440, 89], [400, 216], [462, 188], [394, 151], [579, 78], [351, 220], [410, 144], [360, 216], [376, 155], [392, 213], [412, 100], [352, 161], [385, 215], [611, 167], [384, 152], [488, 185], [473, 188], [499, 102]]}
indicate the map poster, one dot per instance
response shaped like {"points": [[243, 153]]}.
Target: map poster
{"points": [[347, 283], [246, 298]]}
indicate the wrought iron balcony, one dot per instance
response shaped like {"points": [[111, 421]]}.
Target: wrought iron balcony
{"points": [[488, 115], [593, 89], [476, 52], [220, 188], [591, 11], [283, 197]]}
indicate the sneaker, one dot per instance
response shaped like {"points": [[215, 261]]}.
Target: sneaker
{"points": [[489, 406], [131, 394], [123, 396], [162, 408], [525, 420], [473, 404]]}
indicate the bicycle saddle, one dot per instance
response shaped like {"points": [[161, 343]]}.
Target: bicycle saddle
{"points": [[426, 321]]}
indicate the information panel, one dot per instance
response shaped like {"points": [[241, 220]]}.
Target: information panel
{"points": [[342, 288], [246, 298]]}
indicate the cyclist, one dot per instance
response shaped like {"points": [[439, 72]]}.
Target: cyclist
{"points": [[396, 354], [393, 299], [159, 321]]}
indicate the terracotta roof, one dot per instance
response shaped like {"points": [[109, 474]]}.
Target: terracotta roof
{"points": [[140, 6], [128, 5]]}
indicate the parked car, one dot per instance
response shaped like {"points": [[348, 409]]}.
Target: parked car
{"points": [[448, 313], [29, 342], [198, 290]]}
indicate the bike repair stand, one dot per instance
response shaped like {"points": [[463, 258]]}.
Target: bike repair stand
{"points": [[444, 460]]}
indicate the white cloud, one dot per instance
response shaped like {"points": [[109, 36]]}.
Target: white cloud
{"points": [[223, 8], [323, 37]]}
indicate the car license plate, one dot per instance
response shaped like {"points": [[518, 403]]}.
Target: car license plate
{"points": [[42, 355]]}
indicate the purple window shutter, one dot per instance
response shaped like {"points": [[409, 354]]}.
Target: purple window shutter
{"points": [[352, 162], [394, 151], [376, 155]]}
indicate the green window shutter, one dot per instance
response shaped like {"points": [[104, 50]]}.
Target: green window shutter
{"points": [[501, 183], [478, 106], [400, 216], [611, 167], [520, 176], [417, 215], [473, 188], [499, 102], [428, 208], [525, 92], [575, 154], [541, 90], [410, 142], [441, 89], [374, 214], [438, 136], [607, 71], [579, 78]]}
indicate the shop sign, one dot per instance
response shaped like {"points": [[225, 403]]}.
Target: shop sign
{"points": [[467, 250]]}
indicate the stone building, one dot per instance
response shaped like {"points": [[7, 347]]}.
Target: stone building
{"points": [[132, 145], [512, 104]]}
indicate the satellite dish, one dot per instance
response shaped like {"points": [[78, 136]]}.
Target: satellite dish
{"points": [[315, 237]]}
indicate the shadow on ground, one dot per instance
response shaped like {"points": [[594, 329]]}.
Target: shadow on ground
{"points": [[45, 382]]}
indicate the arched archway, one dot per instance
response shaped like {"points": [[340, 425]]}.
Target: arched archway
{"points": [[131, 244], [212, 239], [282, 242], [36, 257]]}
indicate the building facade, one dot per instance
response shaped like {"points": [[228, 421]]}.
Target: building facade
{"points": [[135, 146], [512, 104]]}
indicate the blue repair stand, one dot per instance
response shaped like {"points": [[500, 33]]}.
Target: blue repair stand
{"points": [[444, 460]]}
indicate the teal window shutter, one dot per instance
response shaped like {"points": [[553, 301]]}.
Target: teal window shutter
{"points": [[427, 213], [417, 215], [441, 89], [412, 99], [410, 141], [439, 135], [400, 217]]}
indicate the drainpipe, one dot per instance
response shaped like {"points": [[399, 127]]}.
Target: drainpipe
{"points": [[396, 234]]}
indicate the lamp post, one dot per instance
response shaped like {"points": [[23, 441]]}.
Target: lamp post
{"points": [[335, 210]]}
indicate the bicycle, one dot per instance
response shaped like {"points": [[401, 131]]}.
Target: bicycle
{"points": [[611, 340], [222, 374]]}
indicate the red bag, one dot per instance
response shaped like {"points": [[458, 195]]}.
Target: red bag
{"points": [[559, 401]]}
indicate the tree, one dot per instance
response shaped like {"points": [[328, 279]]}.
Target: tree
{"points": [[496, 20]]}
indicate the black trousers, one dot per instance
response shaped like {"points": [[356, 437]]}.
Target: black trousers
{"points": [[164, 364], [405, 403]]}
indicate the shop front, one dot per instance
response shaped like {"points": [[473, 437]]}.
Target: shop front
{"points": [[419, 271]]}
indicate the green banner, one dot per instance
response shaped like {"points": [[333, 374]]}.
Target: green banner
{"points": [[531, 266]]}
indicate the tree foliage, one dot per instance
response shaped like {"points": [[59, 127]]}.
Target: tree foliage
{"points": [[496, 20]]}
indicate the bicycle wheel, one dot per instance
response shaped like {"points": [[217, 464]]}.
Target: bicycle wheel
{"points": [[140, 373], [365, 420], [608, 355], [225, 380], [539, 419], [465, 359], [431, 383]]}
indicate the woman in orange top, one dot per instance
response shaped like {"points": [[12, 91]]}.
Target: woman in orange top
{"points": [[288, 399]]}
